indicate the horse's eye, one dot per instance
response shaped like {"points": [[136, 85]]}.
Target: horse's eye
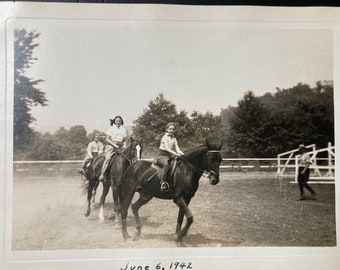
{"points": [[210, 155]]}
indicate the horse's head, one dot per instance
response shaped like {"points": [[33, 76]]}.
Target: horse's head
{"points": [[136, 149], [213, 160]]}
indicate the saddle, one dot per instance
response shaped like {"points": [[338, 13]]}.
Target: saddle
{"points": [[158, 167], [84, 171], [99, 157]]}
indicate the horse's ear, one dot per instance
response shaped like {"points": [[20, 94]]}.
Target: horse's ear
{"points": [[219, 147], [214, 146], [207, 144]]}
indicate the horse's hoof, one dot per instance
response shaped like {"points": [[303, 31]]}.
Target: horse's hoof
{"points": [[102, 220], [135, 237], [181, 244], [178, 238], [126, 237], [118, 226], [87, 213], [137, 233], [112, 217]]}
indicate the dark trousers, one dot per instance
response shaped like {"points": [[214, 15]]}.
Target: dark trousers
{"points": [[303, 181], [164, 160]]}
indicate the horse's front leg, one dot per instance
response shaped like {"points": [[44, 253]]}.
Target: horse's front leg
{"points": [[179, 222], [143, 199], [116, 205], [90, 187], [94, 191], [106, 188], [125, 201], [183, 209]]}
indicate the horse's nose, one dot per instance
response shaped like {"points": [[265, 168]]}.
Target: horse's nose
{"points": [[214, 178], [214, 181]]}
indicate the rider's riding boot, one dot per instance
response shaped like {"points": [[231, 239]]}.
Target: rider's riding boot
{"points": [[105, 164], [82, 170], [164, 184]]}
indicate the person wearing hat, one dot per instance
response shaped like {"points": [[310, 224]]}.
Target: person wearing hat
{"points": [[303, 172], [94, 148], [115, 138]]}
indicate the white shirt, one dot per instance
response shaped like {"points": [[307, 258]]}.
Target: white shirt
{"points": [[96, 147], [304, 159], [117, 134], [169, 143]]}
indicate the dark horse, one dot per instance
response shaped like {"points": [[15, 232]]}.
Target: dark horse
{"points": [[143, 178], [113, 176]]}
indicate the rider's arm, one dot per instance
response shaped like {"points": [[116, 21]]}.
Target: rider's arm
{"points": [[110, 141], [178, 150], [89, 149], [166, 146], [124, 143], [100, 148]]}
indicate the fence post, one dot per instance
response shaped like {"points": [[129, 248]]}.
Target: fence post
{"points": [[296, 167]]}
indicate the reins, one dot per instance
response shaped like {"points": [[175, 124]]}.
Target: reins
{"points": [[193, 166], [130, 161], [124, 155]]}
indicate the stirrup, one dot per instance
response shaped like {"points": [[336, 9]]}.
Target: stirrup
{"points": [[165, 187]]}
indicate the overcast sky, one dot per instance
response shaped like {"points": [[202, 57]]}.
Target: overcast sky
{"points": [[94, 70]]}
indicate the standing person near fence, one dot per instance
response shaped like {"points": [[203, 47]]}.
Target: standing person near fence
{"points": [[303, 172], [115, 138], [94, 148]]}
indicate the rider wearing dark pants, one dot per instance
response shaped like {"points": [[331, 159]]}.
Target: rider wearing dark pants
{"points": [[168, 148]]}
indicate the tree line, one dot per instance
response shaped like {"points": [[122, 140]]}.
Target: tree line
{"points": [[259, 126]]}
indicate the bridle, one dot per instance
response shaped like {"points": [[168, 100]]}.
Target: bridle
{"points": [[125, 156], [196, 168]]}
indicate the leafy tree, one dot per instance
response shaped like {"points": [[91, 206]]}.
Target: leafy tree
{"points": [[26, 93], [248, 127], [302, 114], [204, 126], [150, 126], [274, 123], [48, 148], [78, 141], [62, 145]]}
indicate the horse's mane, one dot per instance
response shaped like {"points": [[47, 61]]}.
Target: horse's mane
{"points": [[129, 146], [196, 153]]}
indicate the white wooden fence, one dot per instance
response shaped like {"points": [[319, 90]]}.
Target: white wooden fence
{"points": [[285, 165], [230, 164], [322, 168]]}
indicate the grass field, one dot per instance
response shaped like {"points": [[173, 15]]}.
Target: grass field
{"points": [[243, 210]]}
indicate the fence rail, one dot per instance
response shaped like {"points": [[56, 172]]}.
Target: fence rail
{"points": [[323, 169], [68, 167], [227, 163]]}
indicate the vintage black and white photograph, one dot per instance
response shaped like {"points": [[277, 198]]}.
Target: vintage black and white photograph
{"points": [[169, 135]]}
